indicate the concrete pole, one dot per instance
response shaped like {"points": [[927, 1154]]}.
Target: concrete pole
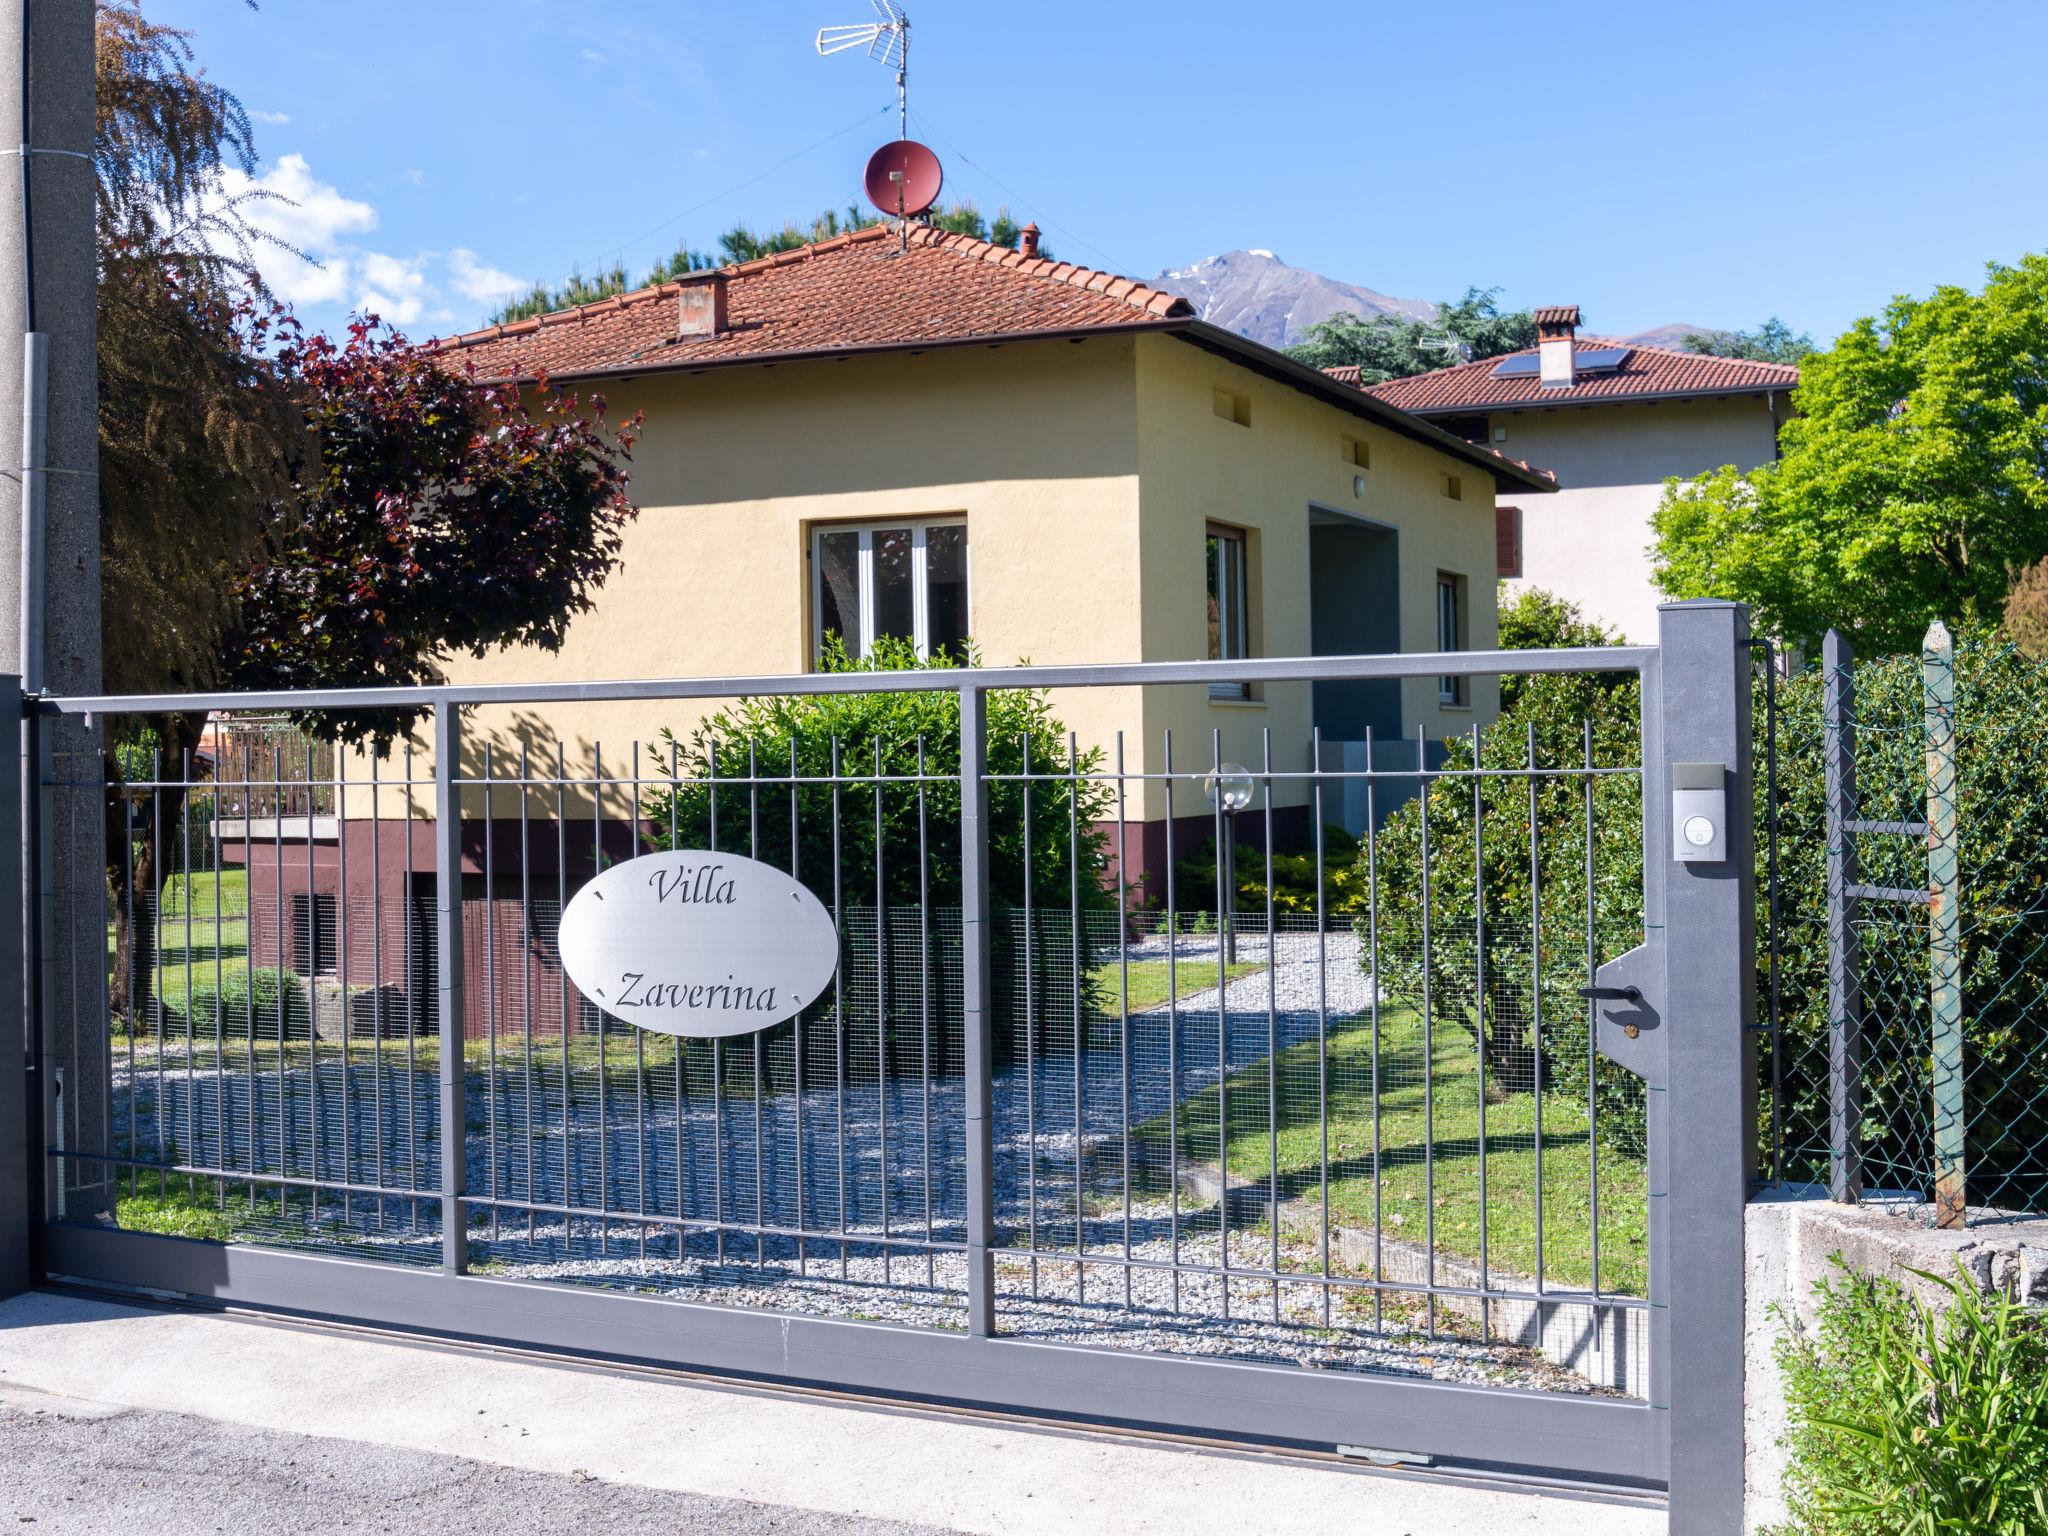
{"points": [[48, 289]]}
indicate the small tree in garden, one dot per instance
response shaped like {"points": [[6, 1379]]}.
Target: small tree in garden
{"points": [[431, 515], [1502, 914]]}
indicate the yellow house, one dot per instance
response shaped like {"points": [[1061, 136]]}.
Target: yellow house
{"points": [[921, 434]]}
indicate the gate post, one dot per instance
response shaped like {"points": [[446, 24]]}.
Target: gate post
{"points": [[21, 1160], [1944, 927], [1701, 715], [977, 1025], [1845, 964], [448, 976]]}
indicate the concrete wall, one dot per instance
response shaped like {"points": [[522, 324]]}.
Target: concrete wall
{"points": [[1790, 1237], [1590, 541]]}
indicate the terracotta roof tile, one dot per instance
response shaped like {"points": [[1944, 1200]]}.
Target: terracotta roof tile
{"points": [[1646, 372], [855, 290]]}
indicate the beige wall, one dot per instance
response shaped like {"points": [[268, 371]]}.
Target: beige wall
{"points": [[1044, 448], [1590, 541], [1267, 478], [1034, 444]]}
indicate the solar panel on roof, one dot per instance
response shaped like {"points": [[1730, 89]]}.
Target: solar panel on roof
{"points": [[1599, 359], [1521, 366]]}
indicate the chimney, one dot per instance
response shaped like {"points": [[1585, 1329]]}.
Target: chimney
{"points": [[701, 306], [1027, 241], [1555, 327]]}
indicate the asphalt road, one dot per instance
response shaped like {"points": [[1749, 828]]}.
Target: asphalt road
{"points": [[68, 1466]]}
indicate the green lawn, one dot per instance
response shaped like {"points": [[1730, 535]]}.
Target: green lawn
{"points": [[1407, 1182], [199, 924], [1149, 979]]}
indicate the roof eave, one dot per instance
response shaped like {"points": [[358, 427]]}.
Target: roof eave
{"points": [[1507, 475], [665, 363], [1505, 407]]}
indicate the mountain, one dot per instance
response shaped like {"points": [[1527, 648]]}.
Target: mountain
{"points": [[1670, 337], [1258, 295]]}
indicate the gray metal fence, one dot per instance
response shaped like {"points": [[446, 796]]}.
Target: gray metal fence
{"points": [[1383, 1177]]}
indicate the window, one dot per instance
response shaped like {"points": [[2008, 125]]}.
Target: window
{"points": [[1452, 487], [315, 930], [1230, 407], [1229, 629], [1450, 631], [1507, 541], [1357, 453], [907, 580]]}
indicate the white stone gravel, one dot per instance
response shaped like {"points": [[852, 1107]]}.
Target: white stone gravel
{"points": [[1160, 1316], [1308, 972]]}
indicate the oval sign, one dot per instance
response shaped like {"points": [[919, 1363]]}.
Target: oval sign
{"points": [[688, 942]]}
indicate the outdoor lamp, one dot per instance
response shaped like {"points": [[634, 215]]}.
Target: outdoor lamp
{"points": [[1229, 789]]}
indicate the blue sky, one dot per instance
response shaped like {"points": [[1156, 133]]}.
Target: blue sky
{"points": [[1712, 163]]}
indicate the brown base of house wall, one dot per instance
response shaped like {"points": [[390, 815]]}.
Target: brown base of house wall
{"points": [[380, 934]]}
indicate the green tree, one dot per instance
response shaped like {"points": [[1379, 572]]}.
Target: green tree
{"points": [[1912, 484], [1396, 347], [1772, 342]]}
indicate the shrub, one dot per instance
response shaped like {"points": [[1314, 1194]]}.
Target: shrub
{"points": [[859, 840], [1294, 878], [861, 734], [248, 1000], [1909, 1418]]}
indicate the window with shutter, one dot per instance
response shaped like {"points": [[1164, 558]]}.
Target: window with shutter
{"points": [[1507, 541]]}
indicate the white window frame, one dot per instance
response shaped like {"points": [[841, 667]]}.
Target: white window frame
{"points": [[1450, 636], [1225, 615], [920, 594]]}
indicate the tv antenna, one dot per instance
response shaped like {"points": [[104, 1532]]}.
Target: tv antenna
{"points": [[888, 44]]}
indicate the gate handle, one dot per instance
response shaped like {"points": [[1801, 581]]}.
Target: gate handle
{"points": [[1612, 994], [1616, 995]]}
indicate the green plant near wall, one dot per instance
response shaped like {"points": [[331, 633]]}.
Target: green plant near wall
{"points": [[867, 810], [1912, 1419], [1294, 878], [884, 748]]}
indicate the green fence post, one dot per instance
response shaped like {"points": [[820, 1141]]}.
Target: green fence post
{"points": [[1944, 925]]}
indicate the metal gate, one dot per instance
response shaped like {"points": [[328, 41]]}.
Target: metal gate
{"points": [[1435, 1144]]}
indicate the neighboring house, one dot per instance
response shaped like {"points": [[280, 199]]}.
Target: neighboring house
{"points": [[1613, 421], [955, 439]]}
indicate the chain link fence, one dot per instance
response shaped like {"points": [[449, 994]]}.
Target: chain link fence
{"points": [[1906, 969]]}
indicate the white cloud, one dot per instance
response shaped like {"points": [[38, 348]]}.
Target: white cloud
{"points": [[703, 154], [397, 287], [474, 280], [275, 119], [413, 177], [327, 264], [591, 56]]}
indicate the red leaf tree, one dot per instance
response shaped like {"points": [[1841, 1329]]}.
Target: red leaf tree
{"points": [[432, 515]]}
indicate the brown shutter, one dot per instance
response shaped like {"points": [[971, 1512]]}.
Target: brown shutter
{"points": [[1507, 540]]}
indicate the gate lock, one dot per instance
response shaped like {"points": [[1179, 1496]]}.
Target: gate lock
{"points": [[1630, 1028]]}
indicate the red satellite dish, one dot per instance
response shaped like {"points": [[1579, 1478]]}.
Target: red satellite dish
{"points": [[903, 178]]}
